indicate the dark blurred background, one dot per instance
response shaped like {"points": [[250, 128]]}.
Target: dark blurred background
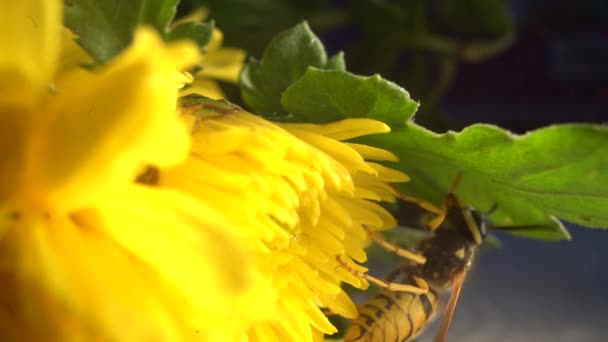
{"points": [[520, 64]]}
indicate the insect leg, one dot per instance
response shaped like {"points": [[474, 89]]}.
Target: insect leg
{"points": [[422, 287], [402, 252], [422, 204], [440, 212]]}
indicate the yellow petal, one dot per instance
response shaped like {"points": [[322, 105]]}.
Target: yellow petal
{"points": [[339, 151], [183, 241], [224, 64], [340, 304], [12, 147], [107, 127], [72, 55], [372, 153], [55, 297], [196, 15], [344, 129], [164, 263], [387, 174], [29, 48], [204, 87], [217, 39]]}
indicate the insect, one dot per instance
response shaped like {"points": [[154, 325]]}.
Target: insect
{"points": [[399, 312]]}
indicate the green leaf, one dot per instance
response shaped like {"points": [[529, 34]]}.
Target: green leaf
{"points": [[336, 62], [554, 171], [285, 60], [328, 95], [104, 28], [200, 33]]}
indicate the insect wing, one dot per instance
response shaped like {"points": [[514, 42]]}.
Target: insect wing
{"points": [[442, 334]]}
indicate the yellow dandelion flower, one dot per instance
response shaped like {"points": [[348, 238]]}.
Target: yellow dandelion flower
{"points": [[302, 197], [86, 253], [219, 63]]}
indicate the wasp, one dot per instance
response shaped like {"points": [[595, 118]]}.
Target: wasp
{"points": [[410, 298]]}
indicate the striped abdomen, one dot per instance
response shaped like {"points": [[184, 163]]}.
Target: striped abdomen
{"points": [[392, 316]]}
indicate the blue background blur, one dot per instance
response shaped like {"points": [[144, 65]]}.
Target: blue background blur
{"points": [[535, 291]]}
